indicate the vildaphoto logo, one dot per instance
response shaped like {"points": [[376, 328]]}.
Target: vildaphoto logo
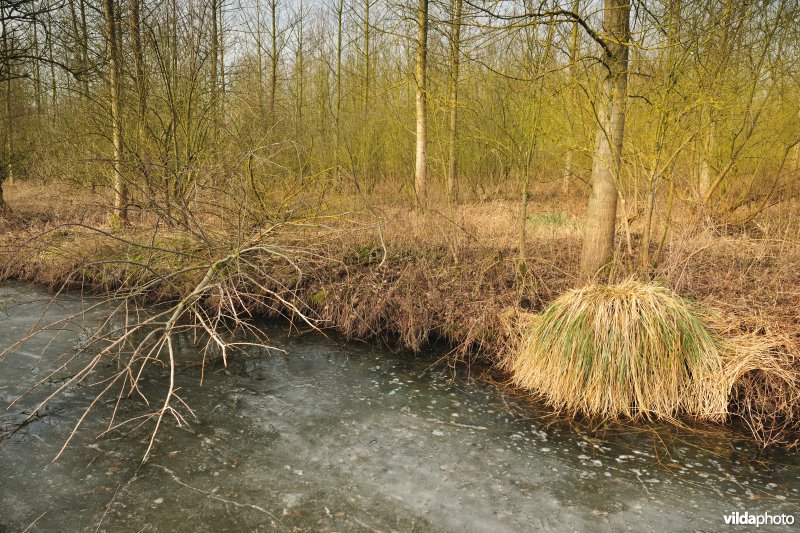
{"points": [[762, 519]]}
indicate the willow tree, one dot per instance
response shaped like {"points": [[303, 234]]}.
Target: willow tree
{"points": [[135, 23], [7, 75], [421, 78], [598, 243], [569, 159], [112, 46], [456, 7]]}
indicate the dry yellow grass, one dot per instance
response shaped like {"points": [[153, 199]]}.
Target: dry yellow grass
{"points": [[634, 350]]}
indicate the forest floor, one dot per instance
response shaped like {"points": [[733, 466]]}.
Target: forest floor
{"points": [[412, 277]]}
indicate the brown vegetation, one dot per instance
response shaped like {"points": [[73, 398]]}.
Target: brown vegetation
{"points": [[402, 275]]}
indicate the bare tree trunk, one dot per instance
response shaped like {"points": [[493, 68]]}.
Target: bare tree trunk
{"points": [[3, 175], [214, 60], [337, 116], [141, 91], [84, 48], [120, 188], [260, 60], [5, 156], [8, 140], [455, 59], [37, 67], [421, 174], [566, 177], [569, 162], [273, 79], [51, 58], [704, 178], [221, 45], [598, 243], [367, 57], [300, 74], [796, 158], [138, 60], [522, 237]]}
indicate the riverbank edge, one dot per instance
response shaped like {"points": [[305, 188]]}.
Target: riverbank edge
{"points": [[408, 298]]}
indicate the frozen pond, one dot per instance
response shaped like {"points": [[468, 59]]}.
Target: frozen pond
{"points": [[335, 436]]}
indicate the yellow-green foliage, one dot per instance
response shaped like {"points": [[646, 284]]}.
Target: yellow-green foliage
{"points": [[632, 349]]}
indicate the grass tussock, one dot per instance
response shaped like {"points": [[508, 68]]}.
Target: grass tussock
{"points": [[635, 350]]}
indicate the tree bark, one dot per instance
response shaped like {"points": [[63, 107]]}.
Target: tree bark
{"points": [[120, 188], [37, 67], [704, 179], [3, 169], [51, 58], [274, 57], [8, 140], [337, 116], [421, 172], [455, 59], [141, 102], [598, 243], [214, 71], [300, 74], [84, 49], [367, 56], [260, 61], [221, 45], [569, 162]]}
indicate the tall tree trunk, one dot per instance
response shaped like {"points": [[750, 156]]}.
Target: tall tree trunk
{"points": [[708, 129], [221, 45], [8, 139], [455, 59], [3, 204], [260, 61], [37, 66], [141, 91], [273, 79], [214, 61], [795, 167], [84, 48], [569, 160], [215, 99], [51, 58], [138, 60], [598, 243], [5, 156], [367, 57], [300, 74], [337, 116], [569, 164], [120, 188], [77, 56], [421, 173]]}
